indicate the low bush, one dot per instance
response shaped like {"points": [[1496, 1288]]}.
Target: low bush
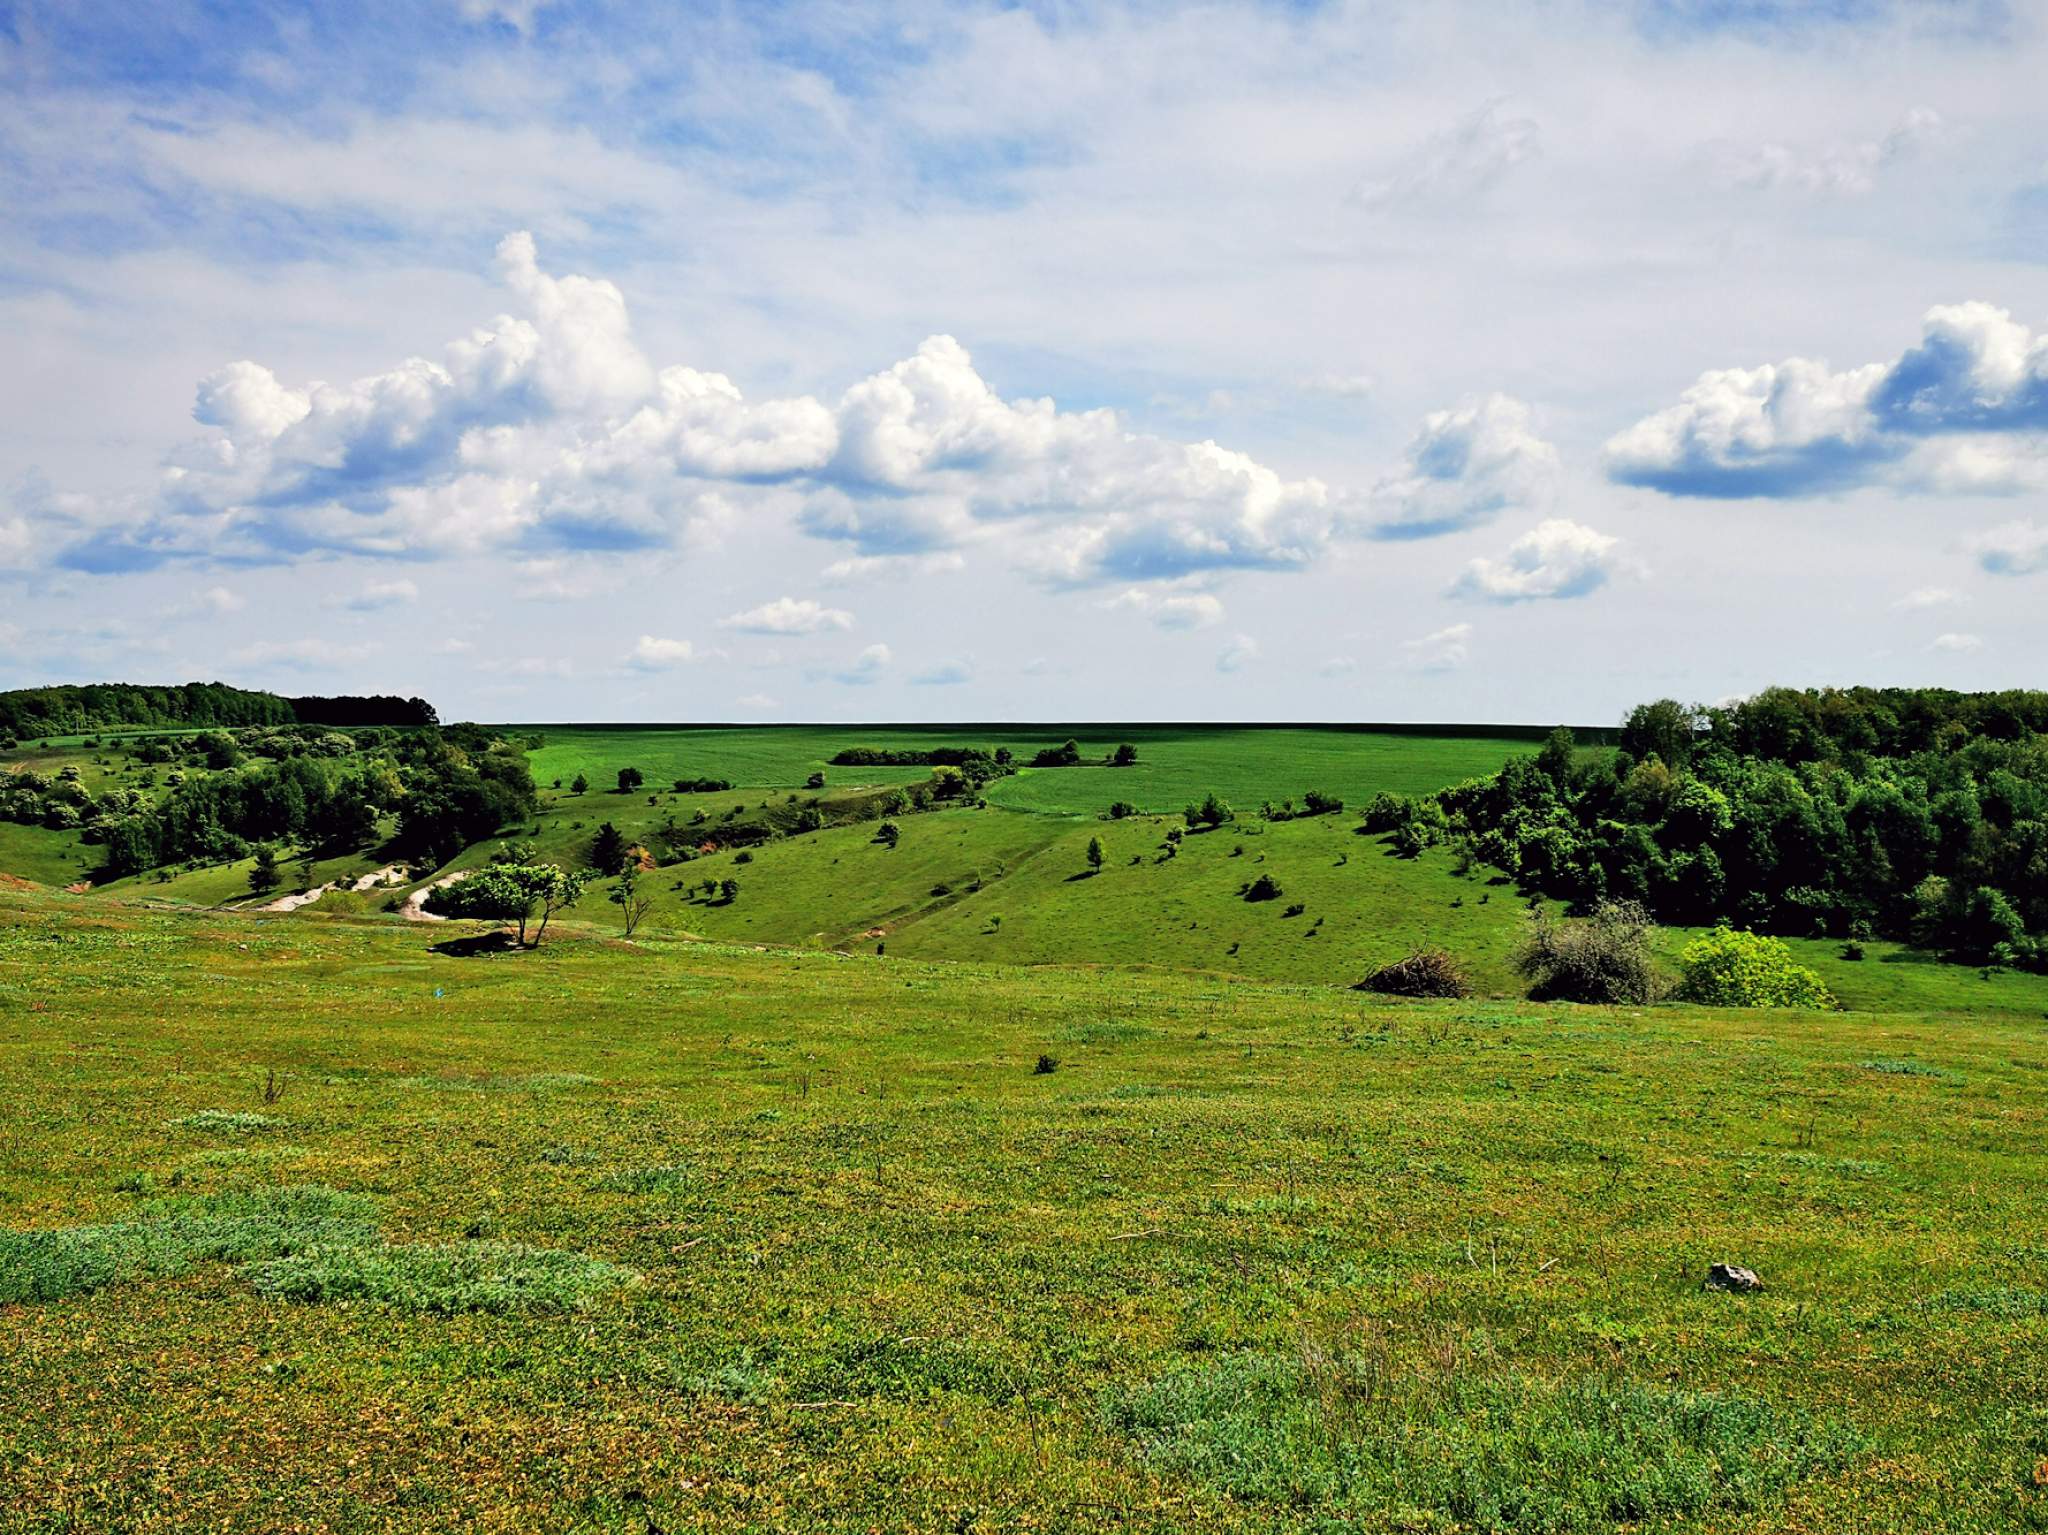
{"points": [[1264, 888], [1730, 968], [1424, 973], [1603, 958]]}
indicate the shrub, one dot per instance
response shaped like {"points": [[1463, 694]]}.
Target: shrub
{"points": [[1603, 958], [1729, 968], [1264, 888], [1425, 973], [1122, 810], [1047, 1065]]}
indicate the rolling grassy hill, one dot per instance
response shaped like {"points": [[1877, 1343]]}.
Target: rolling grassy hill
{"points": [[684, 1236], [1009, 883]]}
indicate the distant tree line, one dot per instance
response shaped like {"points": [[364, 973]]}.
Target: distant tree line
{"points": [[72, 710], [365, 709], [1916, 814], [67, 710]]}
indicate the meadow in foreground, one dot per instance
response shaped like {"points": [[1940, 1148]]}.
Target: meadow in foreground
{"points": [[311, 1227]]}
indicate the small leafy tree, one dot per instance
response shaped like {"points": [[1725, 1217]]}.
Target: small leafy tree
{"points": [[630, 778], [579, 784], [1264, 888], [263, 875], [1212, 812], [633, 904], [509, 890], [1095, 854], [815, 781], [1729, 968], [1125, 756], [607, 849], [888, 833], [728, 891]]}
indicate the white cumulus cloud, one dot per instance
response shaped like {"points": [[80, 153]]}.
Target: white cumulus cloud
{"points": [[788, 615], [865, 668], [1442, 650], [2014, 549], [1171, 610], [1464, 467], [652, 653], [1238, 654], [1963, 409], [1556, 558]]}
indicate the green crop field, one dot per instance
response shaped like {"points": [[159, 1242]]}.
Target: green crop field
{"points": [[1175, 763], [669, 1235]]}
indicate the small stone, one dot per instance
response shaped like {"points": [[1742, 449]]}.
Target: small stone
{"points": [[1732, 1278]]}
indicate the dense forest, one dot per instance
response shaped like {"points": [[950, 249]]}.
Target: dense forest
{"points": [[54, 711], [1916, 814], [209, 797], [68, 710]]}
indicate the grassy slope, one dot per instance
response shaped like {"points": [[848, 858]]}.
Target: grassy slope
{"points": [[894, 1278], [45, 856]]}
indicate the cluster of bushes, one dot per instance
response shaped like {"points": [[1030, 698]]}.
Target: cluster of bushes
{"points": [[1413, 822], [1920, 815], [968, 767], [1610, 958], [701, 785], [679, 842], [1068, 754], [1209, 814], [1315, 802]]}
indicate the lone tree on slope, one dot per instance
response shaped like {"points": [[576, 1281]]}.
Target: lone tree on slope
{"points": [[607, 849], [507, 890], [263, 876]]}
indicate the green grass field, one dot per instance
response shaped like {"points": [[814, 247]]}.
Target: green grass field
{"points": [[672, 1235], [1175, 764]]}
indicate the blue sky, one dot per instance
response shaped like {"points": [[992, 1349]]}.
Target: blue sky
{"points": [[565, 360]]}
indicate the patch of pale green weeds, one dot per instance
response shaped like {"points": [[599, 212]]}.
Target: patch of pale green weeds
{"points": [[1473, 1449], [230, 1122], [443, 1279]]}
